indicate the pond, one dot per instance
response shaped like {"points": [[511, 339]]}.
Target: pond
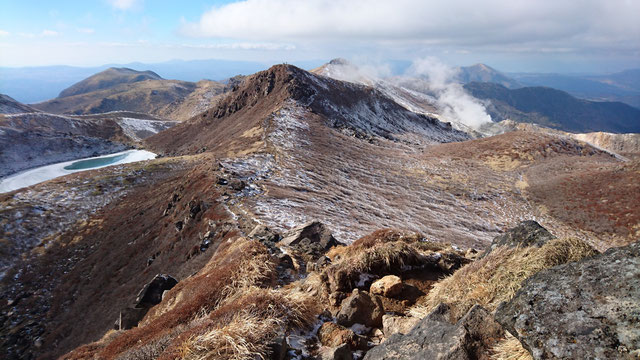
{"points": [[48, 172]]}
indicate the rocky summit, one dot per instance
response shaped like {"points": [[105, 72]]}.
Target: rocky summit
{"points": [[325, 214]]}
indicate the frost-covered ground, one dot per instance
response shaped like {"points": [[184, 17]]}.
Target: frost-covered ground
{"points": [[48, 172], [138, 129]]}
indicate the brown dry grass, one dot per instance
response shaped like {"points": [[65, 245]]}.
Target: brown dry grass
{"points": [[497, 277], [603, 198], [226, 311], [509, 348], [382, 252], [240, 265], [245, 326]]}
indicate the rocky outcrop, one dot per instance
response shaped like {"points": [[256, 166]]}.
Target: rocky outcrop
{"points": [[315, 231], [435, 338], [150, 295], [361, 308], [312, 238], [587, 309], [527, 233]]}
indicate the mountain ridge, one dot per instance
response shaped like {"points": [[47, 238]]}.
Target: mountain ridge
{"points": [[344, 106], [484, 73], [123, 89], [108, 78], [556, 108]]}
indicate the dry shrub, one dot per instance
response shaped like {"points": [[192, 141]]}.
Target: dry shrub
{"points": [[384, 236], [90, 351], [509, 348], [497, 277], [152, 349], [246, 325], [382, 252], [379, 259]]}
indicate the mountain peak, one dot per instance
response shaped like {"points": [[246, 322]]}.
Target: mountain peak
{"points": [[339, 61], [485, 73], [108, 78]]}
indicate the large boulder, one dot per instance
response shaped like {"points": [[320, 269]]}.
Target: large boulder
{"points": [[361, 308], [393, 324], [314, 232], [436, 338], [263, 233], [588, 309], [388, 286], [341, 352], [129, 318], [151, 293], [527, 233]]}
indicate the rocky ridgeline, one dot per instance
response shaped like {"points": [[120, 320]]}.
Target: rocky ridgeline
{"points": [[365, 296], [583, 309]]}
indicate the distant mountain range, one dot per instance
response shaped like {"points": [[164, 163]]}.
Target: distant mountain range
{"points": [[555, 108], [124, 89], [623, 86], [485, 73], [37, 84]]}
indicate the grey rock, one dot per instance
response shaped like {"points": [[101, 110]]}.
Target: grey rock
{"points": [[392, 324], [320, 264], [129, 318], [237, 185], [341, 352], [527, 233], [151, 293], [361, 308], [285, 261], [263, 233], [278, 348], [588, 309], [435, 338], [314, 231]]}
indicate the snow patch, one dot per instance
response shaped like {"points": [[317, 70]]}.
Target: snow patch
{"points": [[138, 129]]}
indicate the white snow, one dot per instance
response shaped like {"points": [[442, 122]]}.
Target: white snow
{"points": [[360, 329], [364, 278], [133, 127], [48, 172]]}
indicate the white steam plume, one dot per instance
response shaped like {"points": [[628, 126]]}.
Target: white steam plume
{"points": [[452, 100]]}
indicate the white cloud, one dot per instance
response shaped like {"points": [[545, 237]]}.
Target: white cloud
{"points": [[85, 30], [243, 46], [47, 33], [123, 4], [452, 99], [4, 33], [464, 23]]}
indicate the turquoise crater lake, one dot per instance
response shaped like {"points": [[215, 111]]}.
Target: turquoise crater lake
{"points": [[48, 172], [94, 163]]}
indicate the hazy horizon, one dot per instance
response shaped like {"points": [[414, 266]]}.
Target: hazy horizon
{"points": [[519, 36]]}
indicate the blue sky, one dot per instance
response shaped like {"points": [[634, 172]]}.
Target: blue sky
{"points": [[519, 35]]}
